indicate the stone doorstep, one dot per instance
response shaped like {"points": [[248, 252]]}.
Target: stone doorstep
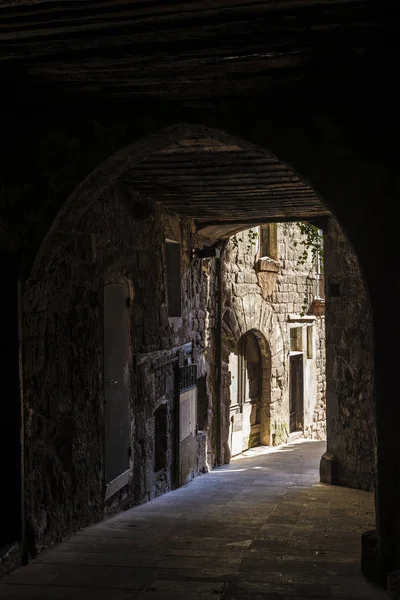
{"points": [[328, 469], [10, 558]]}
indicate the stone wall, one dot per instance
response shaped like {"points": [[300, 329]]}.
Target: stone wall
{"points": [[120, 238], [350, 458], [317, 429], [268, 296]]}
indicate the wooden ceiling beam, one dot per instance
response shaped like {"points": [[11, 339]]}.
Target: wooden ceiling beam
{"points": [[260, 220]]}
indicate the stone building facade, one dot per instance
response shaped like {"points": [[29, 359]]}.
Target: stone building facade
{"points": [[273, 338]]}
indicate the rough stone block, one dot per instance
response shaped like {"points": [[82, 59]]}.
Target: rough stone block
{"points": [[250, 278], [328, 469]]}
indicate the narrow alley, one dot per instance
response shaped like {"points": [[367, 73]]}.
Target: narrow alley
{"points": [[260, 528]]}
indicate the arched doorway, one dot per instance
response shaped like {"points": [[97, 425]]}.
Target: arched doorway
{"points": [[106, 225], [248, 366]]}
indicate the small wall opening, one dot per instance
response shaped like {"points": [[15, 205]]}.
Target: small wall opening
{"points": [[296, 344], [161, 437]]}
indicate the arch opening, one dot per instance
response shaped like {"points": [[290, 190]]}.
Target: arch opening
{"points": [[171, 187], [250, 392]]}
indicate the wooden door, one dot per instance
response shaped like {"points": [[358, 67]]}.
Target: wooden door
{"points": [[296, 392], [117, 386], [187, 423]]}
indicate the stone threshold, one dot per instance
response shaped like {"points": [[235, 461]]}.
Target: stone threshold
{"points": [[295, 435]]}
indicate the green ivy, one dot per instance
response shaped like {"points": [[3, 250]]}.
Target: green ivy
{"points": [[312, 242], [251, 238]]}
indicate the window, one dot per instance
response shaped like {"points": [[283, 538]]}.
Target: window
{"points": [[173, 260], [310, 341], [268, 241], [295, 339]]}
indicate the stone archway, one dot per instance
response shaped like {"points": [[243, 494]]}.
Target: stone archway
{"points": [[250, 393], [259, 318], [72, 235]]}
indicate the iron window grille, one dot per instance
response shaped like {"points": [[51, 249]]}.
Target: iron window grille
{"points": [[187, 377]]}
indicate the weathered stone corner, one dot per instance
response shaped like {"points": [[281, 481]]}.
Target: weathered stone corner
{"points": [[328, 469], [393, 584], [11, 559], [369, 557]]}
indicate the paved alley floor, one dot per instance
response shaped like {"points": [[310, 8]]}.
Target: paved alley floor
{"points": [[261, 528]]}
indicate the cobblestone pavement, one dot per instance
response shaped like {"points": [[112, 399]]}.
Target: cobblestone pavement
{"points": [[261, 528]]}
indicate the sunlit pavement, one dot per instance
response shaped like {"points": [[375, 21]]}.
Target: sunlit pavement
{"points": [[261, 528]]}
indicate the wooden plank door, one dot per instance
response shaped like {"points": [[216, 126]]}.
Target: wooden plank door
{"points": [[296, 393], [116, 386]]}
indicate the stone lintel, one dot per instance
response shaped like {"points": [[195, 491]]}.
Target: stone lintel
{"points": [[301, 319]]}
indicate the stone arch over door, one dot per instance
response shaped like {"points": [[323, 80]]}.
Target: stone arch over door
{"points": [[262, 321], [250, 392]]}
